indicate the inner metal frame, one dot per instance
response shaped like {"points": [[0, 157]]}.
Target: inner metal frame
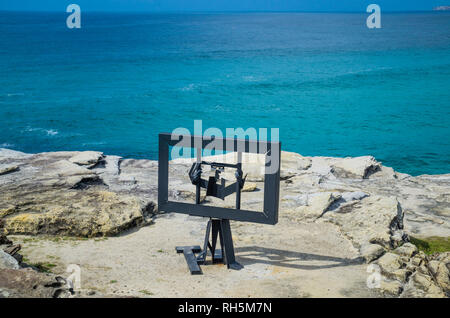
{"points": [[269, 215]]}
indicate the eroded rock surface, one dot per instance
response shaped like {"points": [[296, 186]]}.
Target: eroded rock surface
{"points": [[27, 283], [50, 194], [7, 261], [20, 280], [372, 206]]}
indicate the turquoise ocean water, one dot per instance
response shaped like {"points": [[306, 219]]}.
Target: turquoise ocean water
{"points": [[332, 86]]}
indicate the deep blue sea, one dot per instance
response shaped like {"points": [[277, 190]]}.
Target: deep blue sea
{"points": [[331, 85]]}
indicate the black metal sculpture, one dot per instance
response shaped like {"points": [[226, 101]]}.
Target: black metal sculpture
{"points": [[218, 227], [212, 187]]}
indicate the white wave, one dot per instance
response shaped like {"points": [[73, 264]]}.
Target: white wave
{"points": [[48, 132], [187, 88], [52, 132]]}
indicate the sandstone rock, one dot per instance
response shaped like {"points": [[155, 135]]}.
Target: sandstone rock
{"points": [[389, 263], [400, 274], [441, 272], [443, 257], [317, 204], [352, 196], [416, 261], [7, 261], [8, 169], [249, 187], [76, 213], [296, 200], [410, 267], [424, 198], [8, 154], [359, 167], [423, 285], [434, 291], [293, 163], [410, 291], [88, 194], [423, 269], [422, 280], [364, 219], [52, 195], [304, 181], [346, 201], [422, 255], [371, 252], [65, 169], [321, 166], [406, 249], [372, 220], [391, 287], [26, 283], [386, 173], [87, 158], [127, 179], [398, 237]]}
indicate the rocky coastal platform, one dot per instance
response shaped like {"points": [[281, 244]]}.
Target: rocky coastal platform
{"points": [[341, 221]]}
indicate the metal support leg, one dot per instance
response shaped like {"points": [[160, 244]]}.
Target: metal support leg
{"points": [[197, 194], [228, 245], [220, 230], [198, 187], [238, 187], [191, 260], [214, 226], [201, 258], [217, 255], [238, 196]]}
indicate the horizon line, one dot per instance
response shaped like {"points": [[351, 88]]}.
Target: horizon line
{"points": [[219, 11]]}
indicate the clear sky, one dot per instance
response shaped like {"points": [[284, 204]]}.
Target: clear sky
{"points": [[221, 5]]}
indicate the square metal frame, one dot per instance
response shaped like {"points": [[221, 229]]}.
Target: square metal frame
{"points": [[269, 215]]}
